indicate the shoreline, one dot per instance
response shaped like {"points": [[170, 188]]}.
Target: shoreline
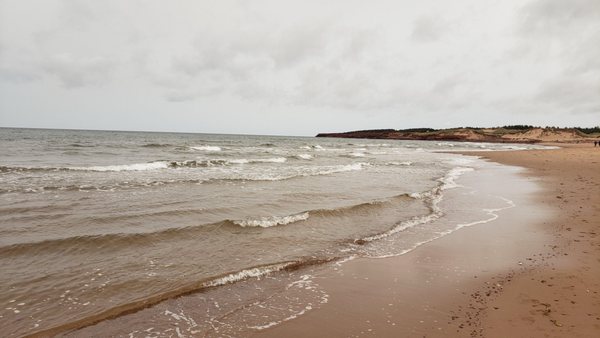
{"points": [[460, 283], [523, 290]]}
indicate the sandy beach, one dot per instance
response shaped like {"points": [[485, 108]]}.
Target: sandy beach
{"points": [[532, 272]]}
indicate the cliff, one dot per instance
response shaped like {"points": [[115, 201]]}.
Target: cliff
{"points": [[497, 135]]}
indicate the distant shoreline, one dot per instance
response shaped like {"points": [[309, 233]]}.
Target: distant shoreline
{"points": [[492, 135]]}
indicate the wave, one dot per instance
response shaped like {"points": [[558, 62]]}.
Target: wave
{"points": [[304, 156], [339, 169], [119, 167], [154, 165], [311, 171], [114, 241], [266, 222], [5, 169], [156, 145], [101, 187], [259, 160], [356, 154], [188, 289], [223, 162], [206, 148], [125, 167], [405, 163], [433, 198], [79, 145]]}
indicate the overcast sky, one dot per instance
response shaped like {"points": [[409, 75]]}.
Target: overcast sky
{"points": [[298, 67]]}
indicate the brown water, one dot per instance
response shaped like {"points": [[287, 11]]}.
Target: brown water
{"points": [[97, 225]]}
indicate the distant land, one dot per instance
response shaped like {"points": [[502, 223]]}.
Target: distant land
{"points": [[506, 134]]}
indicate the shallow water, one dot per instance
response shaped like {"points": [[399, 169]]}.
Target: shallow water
{"points": [[97, 224]]}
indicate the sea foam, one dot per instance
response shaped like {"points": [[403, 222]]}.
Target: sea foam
{"points": [[248, 273], [126, 167], [266, 222], [259, 160], [304, 156], [206, 148]]}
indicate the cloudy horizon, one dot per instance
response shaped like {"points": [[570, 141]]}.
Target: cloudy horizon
{"points": [[298, 68]]}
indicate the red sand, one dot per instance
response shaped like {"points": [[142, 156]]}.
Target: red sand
{"points": [[534, 272]]}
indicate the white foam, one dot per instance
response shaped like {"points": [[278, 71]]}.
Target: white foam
{"points": [[248, 273], [259, 160], [445, 144], [304, 156], [405, 163], [239, 161], [357, 154], [304, 283], [266, 222], [126, 167], [449, 181], [434, 196], [376, 145], [513, 147], [270, 160], [206, 148], [342, 168], [491, 212]]}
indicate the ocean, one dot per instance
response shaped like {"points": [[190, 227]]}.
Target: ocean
{"points": [[148, 234]]}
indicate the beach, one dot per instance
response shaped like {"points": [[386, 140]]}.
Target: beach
{"points": [[166, 234], [532, 272]]}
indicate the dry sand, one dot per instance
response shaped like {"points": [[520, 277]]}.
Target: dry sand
{"points": [[534, 272]]}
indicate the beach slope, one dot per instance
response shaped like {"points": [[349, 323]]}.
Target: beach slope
{"points": [[533, 272]]}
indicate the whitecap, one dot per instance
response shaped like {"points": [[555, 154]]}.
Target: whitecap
{"points": [[259, 160], [248, 273], [266, 222], [126, 167], [304, 156], [206, 148]]}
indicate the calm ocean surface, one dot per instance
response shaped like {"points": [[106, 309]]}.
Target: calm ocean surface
{"points": [[95, 225]]}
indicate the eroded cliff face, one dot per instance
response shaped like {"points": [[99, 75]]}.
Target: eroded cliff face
{"points": [[501, 135]]}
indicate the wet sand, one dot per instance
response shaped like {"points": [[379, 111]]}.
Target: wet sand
{"points": [[533, 272]]}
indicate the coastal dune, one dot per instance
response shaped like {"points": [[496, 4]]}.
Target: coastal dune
{"points": [[533, 272]]}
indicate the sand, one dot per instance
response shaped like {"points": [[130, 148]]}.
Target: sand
{"points": [[533, 272], [561, 296]]}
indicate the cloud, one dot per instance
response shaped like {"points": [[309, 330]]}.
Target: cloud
{"points": [[388, 59], [563, 36], [572, 95], [74, 72], [558, 17], [262, 64], [427, 29], [15, 75]]}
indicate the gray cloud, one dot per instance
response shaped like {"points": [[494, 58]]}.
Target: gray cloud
{"points": [[564, 35], [428, 29], [385, 63], [15, 75], [73, 72], [558, 17]]}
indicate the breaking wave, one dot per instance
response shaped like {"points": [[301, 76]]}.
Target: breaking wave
{"points": [[304, 156], [206, 148], [266, 222]]}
